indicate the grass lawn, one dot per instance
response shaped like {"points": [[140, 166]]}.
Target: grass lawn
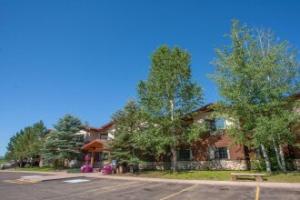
{"points": [[35, 169], [291, 177], [2, 161], [74, 170], [47, 169]]}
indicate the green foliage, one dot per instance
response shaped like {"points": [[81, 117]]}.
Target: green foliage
{"points": [[27, 142], [167, 96], [129, 123], [276, 126], [161, 119], [63, 142], [256, 74], [169, 80]]}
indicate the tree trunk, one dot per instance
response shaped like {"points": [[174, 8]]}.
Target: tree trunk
{"points": [[21, 162], [173, 146], [277, 155], [281, 153], [266, 158], [174, 159]]}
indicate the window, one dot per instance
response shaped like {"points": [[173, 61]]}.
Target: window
{"points": [[103, 137], [221, 153], [210, 124], [220, 123], [184, 155], [216, 124], [104, 156]]}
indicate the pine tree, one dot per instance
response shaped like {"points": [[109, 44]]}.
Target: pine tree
{"points": [[63, 142], [128, 123]]}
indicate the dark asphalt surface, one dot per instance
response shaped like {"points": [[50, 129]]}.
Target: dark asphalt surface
{"points": [[106, 189]]}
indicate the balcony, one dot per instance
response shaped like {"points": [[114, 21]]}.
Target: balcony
{"points": [[92, 137]]}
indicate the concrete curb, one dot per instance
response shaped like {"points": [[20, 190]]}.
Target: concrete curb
{"points": [[49, 178], [30, 172], [203, 182], [65, 175]]}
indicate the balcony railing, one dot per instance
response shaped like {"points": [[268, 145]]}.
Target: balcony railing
{"points": [[94, 137]]}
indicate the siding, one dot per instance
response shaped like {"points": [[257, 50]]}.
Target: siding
{"points": [[201, 147]]}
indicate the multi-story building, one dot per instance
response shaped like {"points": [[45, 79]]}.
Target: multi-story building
{"points": [[96, 140], [214, 150]]}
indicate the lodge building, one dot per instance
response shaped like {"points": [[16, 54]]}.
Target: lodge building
{"points": [[215, 150]]}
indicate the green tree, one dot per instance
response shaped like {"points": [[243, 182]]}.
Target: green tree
{"points": [[129, 122], [166, 96], [15, 148], [27, 143], [63, 143], [255, 75], [275, 131]]}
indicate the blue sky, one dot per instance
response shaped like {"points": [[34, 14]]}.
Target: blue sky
{"points": [[86, 57]]}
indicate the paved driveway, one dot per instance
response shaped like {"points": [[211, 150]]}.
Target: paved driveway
{"points": [[109, 189]]}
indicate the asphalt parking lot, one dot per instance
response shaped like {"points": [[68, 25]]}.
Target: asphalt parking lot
{"points": [[95, 188]]}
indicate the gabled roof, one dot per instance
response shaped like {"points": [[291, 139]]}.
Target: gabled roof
{"points": [[107, 126], [102, 129], [205, 108], [96, 145]]}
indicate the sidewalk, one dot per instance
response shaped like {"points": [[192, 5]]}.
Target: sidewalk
{"points": [[43, 176], [31, 172], [203, 182], [64, 175]]}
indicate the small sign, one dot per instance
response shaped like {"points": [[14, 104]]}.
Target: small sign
{"points": [[114, 163]]}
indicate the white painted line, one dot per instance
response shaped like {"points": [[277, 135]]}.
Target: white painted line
{"points": [[179, 192], [77, 181], [32, 177], [113, 187]]}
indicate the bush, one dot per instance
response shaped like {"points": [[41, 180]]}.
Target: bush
{"points": [[258, 165]]}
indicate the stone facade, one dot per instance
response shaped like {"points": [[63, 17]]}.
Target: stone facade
{"points": [[297, 164], [197, 165]]}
